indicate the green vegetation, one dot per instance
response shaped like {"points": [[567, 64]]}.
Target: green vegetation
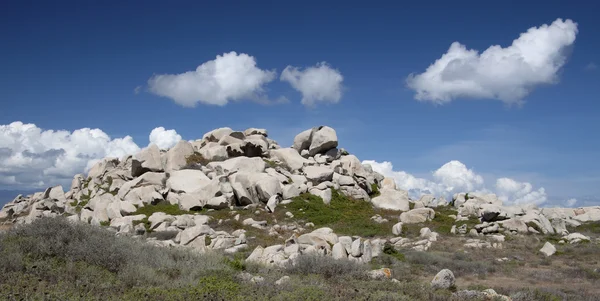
{"points": [[374, 191], [344, 215], [196, 158], [104, 223], [390, 250], [588, 227], [145, 222], [270, 163], [167, 208]]}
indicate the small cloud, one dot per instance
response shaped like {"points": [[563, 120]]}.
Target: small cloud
{"points": [[228, 77], [137, 90], [319, 83], [591, 66], [571, 202], [164, 139]]}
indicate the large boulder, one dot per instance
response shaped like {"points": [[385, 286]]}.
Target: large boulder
{"points": [[245, 164], [214, 152], [255, 131], [146, 160], [322, 140], [318, 174], [176, 157], [392, 199], [417, 216], [290, 158], [548, 249], [187, 180], [443, 280], [302, 141], [216, 134]]}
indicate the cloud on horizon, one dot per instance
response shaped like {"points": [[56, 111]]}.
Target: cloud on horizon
{"points": [[454, 177], [319, 83], [507, 74], [33, 158], [228, 77]]}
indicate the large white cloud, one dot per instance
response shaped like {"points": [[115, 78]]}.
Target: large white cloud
{"points": [[319, 83], [230, 76], [454, 177], [33, 158], [508, 74], [164, 139]]}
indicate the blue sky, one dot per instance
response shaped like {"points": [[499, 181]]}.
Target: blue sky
{"points": [[70, 65]]}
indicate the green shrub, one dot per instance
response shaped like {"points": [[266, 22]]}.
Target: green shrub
{"points": [[390, 250], [374, 191], [327, 267], [105, 223]]}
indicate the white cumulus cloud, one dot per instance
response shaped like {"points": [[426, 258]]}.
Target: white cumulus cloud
{"points": [[319, 83], [457, 177], [164, 139], [508, 74], [228, 77], [34, 158], [454, 177], [571, 202], [516, 192]]}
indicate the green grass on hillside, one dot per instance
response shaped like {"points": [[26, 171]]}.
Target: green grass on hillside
{"points": [[344, 215]]}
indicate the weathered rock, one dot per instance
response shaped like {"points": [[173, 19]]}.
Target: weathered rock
{"points": [[325, 194], [214, 152], [290, 158], [379, 274], [318, 174], [241, 164], [191, 233], [322, 140], [392, 200], [397, 229], [216, 134], [548, 249], [302, 141], [146, 160], [187, 180], [176, 157], [272, 203], [339, 251], [417, 216], [443, 280]]}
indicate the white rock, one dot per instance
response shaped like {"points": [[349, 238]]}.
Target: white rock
{"points": [[272, 203], [339, 251], [282, 280], [290, 158], [417, 216], [397, 229], [548, 249], [318, 174], [392, 200], [187, 180], [443, 280], [322, 140], [357, 248], [176, 157]]}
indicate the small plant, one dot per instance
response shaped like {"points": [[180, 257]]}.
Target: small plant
{"points": [[196, 158], [390, 250], [104, 223], [374, 191], [270, 163]]}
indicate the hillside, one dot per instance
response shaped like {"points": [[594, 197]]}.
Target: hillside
{"points": [[236, 216]]}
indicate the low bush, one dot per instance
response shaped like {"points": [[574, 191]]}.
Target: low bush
{"points": [[327, 267]]}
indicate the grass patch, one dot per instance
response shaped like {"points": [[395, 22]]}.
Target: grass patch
{"points": [[167, 208], [588, 227], [344, 215], [104, 223], [270, 163]]}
